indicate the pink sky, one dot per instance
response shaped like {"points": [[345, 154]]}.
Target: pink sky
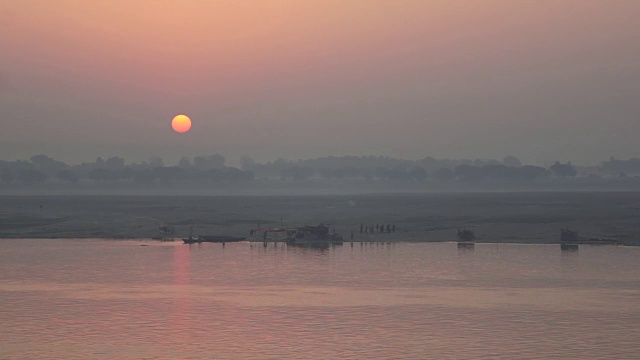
{"points": [[542, 80]]}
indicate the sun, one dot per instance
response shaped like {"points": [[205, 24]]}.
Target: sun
{"points": [[181, 123]]}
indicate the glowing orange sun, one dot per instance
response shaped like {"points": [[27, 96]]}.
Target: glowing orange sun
{"points": [[181, 123]]}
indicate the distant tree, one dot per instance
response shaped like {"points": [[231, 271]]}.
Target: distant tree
{"points": [[234, 174], [102, 174], [398, 172], [185, 163], [563, 170], [469, 173], [247, 163], [47, 165], [8, 176], [205, 163], [68, 175], [530, 172], [99, 163], [168, 174], [367, 175], [418, 173], [127, 173], [155, 161], [41, 159], [324, 172], [381, 172], [30, 176], [511, 161], [339, 173], [297, 173], [613, 166], [352, 172], [443, 174], [429, 164], [114, 163], [144, 177], [497, 172]]}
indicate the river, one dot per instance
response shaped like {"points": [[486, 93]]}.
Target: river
{"points": [[144, 299]]}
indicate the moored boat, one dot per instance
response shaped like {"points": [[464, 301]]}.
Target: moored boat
{"points": [[466, 235], [319, 233], [191, 240]]}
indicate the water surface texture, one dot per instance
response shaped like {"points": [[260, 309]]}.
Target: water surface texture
{"points": [[108, 299]]}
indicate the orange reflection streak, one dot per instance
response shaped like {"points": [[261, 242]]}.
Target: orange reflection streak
{"points": [[181, 276]]}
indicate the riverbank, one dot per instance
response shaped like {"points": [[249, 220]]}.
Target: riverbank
{"points": [[494, 217]]}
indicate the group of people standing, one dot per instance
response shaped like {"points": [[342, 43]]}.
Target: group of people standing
{"points": [[378, 228]]}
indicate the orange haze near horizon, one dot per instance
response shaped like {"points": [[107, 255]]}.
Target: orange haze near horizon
{"points": [[399, 78]]}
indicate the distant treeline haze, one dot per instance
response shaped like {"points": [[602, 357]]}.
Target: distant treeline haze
{"points": [[212, 169]]}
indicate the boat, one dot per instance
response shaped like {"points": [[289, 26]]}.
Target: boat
{"points": [[567, 235], [319, 233], [466, 235], [191, 240]]}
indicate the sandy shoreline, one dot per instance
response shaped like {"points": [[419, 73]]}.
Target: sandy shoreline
{"points": [[495, 217]]}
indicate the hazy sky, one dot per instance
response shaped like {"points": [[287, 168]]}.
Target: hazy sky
{"points": [[542, 80]]}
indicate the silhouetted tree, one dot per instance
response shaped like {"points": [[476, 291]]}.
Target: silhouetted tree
{"points": [[205, 163], [530, 172], [468, 173], [419, 173], [144, 177], [613, 166], [155, 161], [47, 165], [169, 174], [234, 174], [563, 170], [339, 173], [127, 173], [443, 174], [102, 174], [99, 163], [398, 172], [429, 164], [247, 163], [382, 172], [298, 173], [511, 161], [185, 163], [8, 176], [114, 163], [213, 175], [497, 172], [30, 176], [68, 175]]}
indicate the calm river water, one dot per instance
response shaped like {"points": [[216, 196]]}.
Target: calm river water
{"points": [[108, 299]]}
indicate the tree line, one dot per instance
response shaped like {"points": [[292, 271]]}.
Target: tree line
{"points": [[213, 169]]}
